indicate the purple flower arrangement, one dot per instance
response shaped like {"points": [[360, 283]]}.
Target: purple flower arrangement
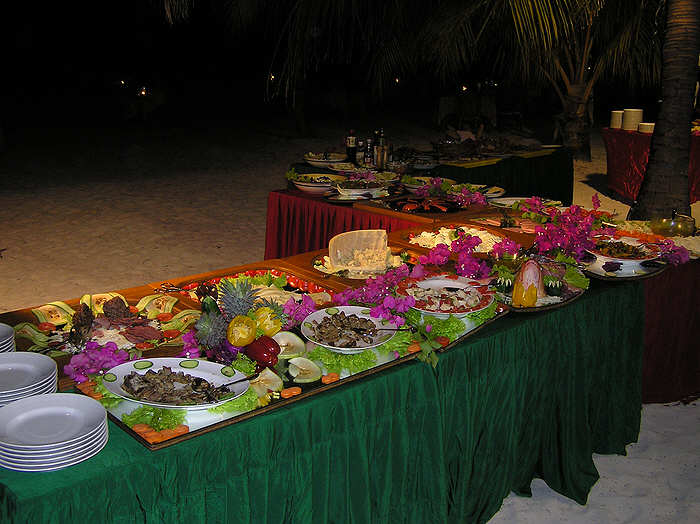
{"points": [[93, 360], [378, 293]]}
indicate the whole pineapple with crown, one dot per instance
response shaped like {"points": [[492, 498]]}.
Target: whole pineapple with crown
{"points": [[236, 297]]}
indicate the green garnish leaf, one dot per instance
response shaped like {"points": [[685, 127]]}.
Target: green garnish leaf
{"points": [[158, 418], [248, 401]]}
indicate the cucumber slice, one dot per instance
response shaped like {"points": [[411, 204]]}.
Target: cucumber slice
{"points": [[109, 377], [189, 364], [228, 371], [290, 345], [143, 364], [332, 310], [303, 370]]}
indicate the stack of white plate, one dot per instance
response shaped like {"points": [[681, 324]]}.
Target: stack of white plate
{"points": [[7, 338], [24, 374], [49, 432]]}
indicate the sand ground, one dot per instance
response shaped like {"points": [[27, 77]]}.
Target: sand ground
{"points": [[86, 211]]}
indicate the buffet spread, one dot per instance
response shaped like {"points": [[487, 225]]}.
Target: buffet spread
{"points": [[173, 360]]}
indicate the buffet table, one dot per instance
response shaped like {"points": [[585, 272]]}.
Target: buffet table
{"points": [[628, 154], [532, 395], [298, 222]]}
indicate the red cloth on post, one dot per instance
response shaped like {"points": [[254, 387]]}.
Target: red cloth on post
{"points": [[628, 154], [297, 223]]}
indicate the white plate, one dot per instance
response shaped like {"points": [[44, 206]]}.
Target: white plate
{"points": [[7, 333], [51, 387], [60, 455], [59, 465], [596, 268], [362, 312], [89, 436], [14, 454], [25, 391], [48, 420], [373, 192], [20, 370], [458, 283], [629, 267], [509, 201], [215, 374]]}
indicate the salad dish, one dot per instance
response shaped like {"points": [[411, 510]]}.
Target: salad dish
{"points": [[413, 183], [447, 234], [346, 329], [326, 159], [623, 258], [444, 294], [317, 183], [175, 383], [514, 201]]}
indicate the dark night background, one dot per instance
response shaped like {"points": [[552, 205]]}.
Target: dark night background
{"points": [[67, 60]]}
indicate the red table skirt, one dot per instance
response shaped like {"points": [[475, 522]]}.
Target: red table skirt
{"points": [[671, 366], [297, 223], [628, 154]]}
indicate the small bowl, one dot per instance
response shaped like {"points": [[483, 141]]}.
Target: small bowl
{"points": [[680, 226]]}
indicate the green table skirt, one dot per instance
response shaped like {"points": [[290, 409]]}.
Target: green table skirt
{"points": [[550, 176], [530, 396]]}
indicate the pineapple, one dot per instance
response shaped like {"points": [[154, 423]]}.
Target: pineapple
{"points": [[274, 306], [236, 297], [211, 329]]}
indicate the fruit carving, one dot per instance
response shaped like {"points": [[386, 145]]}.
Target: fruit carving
{"points": [[528, 285]]}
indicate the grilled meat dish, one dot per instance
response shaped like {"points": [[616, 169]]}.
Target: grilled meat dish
{"points": [[167, 387]]}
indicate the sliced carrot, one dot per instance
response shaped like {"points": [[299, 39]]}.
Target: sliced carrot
{"points": [[290, 392], [414, 347], [134, 310], [88, 384], [443, 341], [181, 429], [153, 437], [141, 428], [330, 378], [164, 317]]}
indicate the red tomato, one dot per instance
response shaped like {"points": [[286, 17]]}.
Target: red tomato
{"points": [[144, 345], [215, 280], [165, 317], [171, 333], [191, 285], [293, 281], [46, 327], [275, 272], [134, 310], [303, 285]]}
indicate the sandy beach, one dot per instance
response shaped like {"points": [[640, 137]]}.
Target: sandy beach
{"points": [[92, 210]]}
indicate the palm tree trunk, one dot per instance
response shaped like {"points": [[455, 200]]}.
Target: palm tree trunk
{"points": [[665, 185]]}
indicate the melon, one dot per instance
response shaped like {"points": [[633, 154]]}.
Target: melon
{"points": [[303, 370], [290, 344]]}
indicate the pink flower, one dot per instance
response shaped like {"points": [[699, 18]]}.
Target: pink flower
{"points": [[596, 201], [505, 246], [438, 256]]}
